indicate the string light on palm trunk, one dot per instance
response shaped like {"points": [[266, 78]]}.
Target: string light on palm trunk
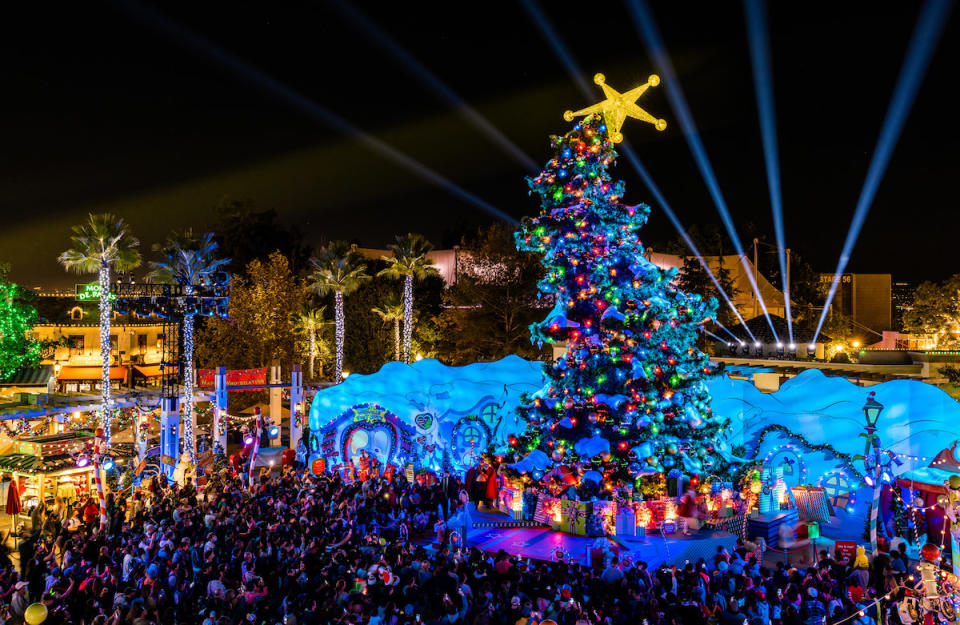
{"points": [[105, 311], [188, 415], [339, 322], [407, 316]]}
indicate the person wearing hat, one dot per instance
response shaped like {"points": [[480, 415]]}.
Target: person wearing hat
{"points": [[812, 610], [19, 601]]}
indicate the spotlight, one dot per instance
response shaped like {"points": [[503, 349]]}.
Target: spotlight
{"points": [[83, 461], [812, 347], [741, 343], [273, 431], [248, 440], [885, 477], [780, 345], [107, 464], [793, 346], [868, 481]]}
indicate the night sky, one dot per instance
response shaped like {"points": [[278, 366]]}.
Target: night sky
{"points": [[104, 108]]}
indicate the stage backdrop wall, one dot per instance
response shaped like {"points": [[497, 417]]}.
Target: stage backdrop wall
{"points": [[430, 412], [425, 411]]}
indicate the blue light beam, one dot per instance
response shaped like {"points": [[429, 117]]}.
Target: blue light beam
{"points": [[566, 59], [297, 100], [416, 68], [923, 43], [665, 207], [706, 331], [646, 26], [727, 330], [543, 24], [755, 12]]}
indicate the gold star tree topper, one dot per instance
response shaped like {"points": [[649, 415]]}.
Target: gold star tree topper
{"points": [[618, 106]]}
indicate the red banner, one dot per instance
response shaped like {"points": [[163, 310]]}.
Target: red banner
{"points": [[240, 377]]}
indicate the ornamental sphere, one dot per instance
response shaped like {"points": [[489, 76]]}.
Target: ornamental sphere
{"points": [[930, 552]]}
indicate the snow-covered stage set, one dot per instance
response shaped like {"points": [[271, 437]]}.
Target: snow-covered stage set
{"points": [[631, 439], [434, 418]]}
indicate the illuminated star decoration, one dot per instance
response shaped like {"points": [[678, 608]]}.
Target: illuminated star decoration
{"points": [[618, 106]]}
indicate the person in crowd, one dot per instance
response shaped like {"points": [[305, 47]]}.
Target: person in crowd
{"points": [[300, 549]]}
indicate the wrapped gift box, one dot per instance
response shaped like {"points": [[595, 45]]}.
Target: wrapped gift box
{"points": [[626, 522], [573, 516], [509, 498], [605, 512], [530, 502], [546, 509]]}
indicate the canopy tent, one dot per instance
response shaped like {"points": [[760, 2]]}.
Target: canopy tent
{"points": [[76, 373]]}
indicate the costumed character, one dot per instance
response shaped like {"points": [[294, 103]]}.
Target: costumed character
{"points": [[363, 466], [491, 486], [688, 511], [184, 471], [440, 528], [932, 601]]}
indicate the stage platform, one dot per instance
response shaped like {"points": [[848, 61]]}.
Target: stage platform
{"points": [[492, 531]]}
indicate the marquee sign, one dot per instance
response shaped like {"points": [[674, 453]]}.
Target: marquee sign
{"points": [[239, 377], [91, 292]]}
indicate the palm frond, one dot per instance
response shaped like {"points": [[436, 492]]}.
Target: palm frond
{"points": [[103, 239]]}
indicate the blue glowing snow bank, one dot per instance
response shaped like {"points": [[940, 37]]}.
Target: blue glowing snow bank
{"points": [[918, 420], [425, 411], [439, 415]]}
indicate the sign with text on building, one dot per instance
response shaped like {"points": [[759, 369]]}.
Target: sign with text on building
{"points": [[90, 292], [241, 377]]}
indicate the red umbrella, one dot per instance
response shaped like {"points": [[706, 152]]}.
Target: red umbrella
{"points": [[13, 500]]}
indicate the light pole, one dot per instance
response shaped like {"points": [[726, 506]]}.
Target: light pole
{"points": [[871, 461]]}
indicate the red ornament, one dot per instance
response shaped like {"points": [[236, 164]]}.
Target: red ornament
{"points": [[930, 552]]}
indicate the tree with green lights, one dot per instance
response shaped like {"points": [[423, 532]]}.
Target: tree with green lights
{"points": [[628, 398], [17, 349]]}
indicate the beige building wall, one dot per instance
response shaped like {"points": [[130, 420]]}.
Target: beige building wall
{"points": [[135, 343]]}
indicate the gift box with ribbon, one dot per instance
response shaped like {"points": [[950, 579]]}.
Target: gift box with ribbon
{"points": [[626, 522]]}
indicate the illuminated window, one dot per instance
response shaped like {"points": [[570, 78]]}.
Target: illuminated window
{"points": [[76, 313], [489, 413], [837, 488]]}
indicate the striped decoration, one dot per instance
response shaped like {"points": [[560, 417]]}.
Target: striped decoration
{"points": [[97, 444], [874, 509], [256, 446], [506, 524]]}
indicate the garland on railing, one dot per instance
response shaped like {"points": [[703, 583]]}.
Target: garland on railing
{"points": [[845, 459]]}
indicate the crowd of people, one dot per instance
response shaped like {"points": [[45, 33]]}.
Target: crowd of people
{"points": [[305, 550]]}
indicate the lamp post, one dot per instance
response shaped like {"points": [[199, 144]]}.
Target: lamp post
{"points": [[871, 411]]}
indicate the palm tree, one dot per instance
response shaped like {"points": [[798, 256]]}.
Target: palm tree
{"points": [[338, 269], [309, 323], [189, 261], [409, 260], [100, 244], [392, 312]]}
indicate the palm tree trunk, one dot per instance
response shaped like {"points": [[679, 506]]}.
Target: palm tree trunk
{"points": [[407, 316], [338, 319], [189, 417], [106, 413], [396, 339], [313, 349]]}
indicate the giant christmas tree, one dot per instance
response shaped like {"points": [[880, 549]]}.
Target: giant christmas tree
{"points": [[627, 399]]}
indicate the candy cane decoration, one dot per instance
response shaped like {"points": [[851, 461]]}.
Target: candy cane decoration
{"points": [[98, 442], [256, 446]]}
